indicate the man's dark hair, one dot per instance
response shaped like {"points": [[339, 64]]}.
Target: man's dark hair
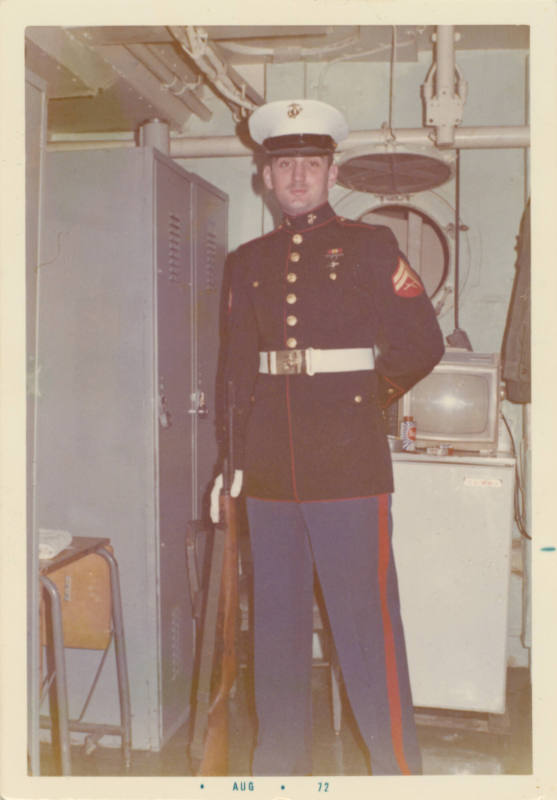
{"points": [[270, 157]]}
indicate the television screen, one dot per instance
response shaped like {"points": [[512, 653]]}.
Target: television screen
{"points": [[457, 403], [448, 403]]}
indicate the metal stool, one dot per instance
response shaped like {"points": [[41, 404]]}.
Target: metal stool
{"points": [[88, 634]]}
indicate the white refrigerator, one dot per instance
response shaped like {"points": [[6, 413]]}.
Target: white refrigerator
{"points": [[452, 536]]}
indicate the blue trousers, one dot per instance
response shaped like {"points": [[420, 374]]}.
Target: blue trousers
{"points": [[349, 543]]}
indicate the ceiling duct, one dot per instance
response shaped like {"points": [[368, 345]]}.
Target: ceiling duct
{"points": [[288, 43]]}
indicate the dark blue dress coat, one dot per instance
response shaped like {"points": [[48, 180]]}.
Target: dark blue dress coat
{"points": [[322, 281]]}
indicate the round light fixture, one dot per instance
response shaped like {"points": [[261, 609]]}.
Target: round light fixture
{"points": [[392, 173]]}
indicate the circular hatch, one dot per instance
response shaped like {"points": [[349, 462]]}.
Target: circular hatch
{"points": [[424, 228]]}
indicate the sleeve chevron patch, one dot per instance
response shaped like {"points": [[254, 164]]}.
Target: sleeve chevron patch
{"points": [[406, 282]]}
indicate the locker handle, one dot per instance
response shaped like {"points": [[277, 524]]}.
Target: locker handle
{"points": [[201, 409], [165, 419]]}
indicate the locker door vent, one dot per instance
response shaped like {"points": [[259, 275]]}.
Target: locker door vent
{"points": [[177, 653], [211, 250], [174, 247]]}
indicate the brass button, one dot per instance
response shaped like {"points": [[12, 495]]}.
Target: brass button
{"points": [[297, 238], [255, 284], [390, 390], [294, 256], [291, 298], [291, 277], [291, 320], [291, 343], [358, 398], [333, 276]]}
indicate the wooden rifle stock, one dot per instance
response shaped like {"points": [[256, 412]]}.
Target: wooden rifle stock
{"points": [[215, 754], [214, 751]]}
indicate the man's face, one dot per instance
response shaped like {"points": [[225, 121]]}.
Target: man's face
{"points": [[300, 183]]}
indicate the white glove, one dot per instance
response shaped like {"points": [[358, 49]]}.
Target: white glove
{"points": [[235, 490]]}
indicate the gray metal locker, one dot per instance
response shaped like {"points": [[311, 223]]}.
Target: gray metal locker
{"points": [[131, 259]]}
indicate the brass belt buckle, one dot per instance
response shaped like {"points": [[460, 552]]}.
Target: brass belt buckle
{"points": [[290, 362]]}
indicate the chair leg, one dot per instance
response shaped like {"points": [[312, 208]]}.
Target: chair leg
{"points": [[61, 698], [120, 651]]}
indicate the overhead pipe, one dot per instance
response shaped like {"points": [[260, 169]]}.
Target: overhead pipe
{"points": [[155, 133], [451, 103], [480, 138], [445, 60], [194, 43], [444, 108], [469, 138], [465, 138], [443, 111], [196, 47], [171, 82]]}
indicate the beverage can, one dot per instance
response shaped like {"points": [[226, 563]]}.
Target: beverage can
{"points": [[408, 434]]}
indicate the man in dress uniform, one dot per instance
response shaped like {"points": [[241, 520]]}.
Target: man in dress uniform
{"points": [[327, 324]]}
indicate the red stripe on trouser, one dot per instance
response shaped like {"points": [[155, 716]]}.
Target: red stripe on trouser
{"points": [[393, 691]]}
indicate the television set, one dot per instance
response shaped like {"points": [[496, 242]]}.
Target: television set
{"points": [[457, 404]]}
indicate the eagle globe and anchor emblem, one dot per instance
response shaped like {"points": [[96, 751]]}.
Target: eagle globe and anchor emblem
{"points": [[293, 110]]}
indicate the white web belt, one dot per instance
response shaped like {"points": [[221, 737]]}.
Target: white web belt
{"points": [[310, 361]]}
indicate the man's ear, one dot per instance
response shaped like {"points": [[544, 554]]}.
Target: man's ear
{"points": [[333, 175], [267, 176]]}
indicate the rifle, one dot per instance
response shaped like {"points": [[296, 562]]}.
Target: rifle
{"points": [[213, 752]]}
